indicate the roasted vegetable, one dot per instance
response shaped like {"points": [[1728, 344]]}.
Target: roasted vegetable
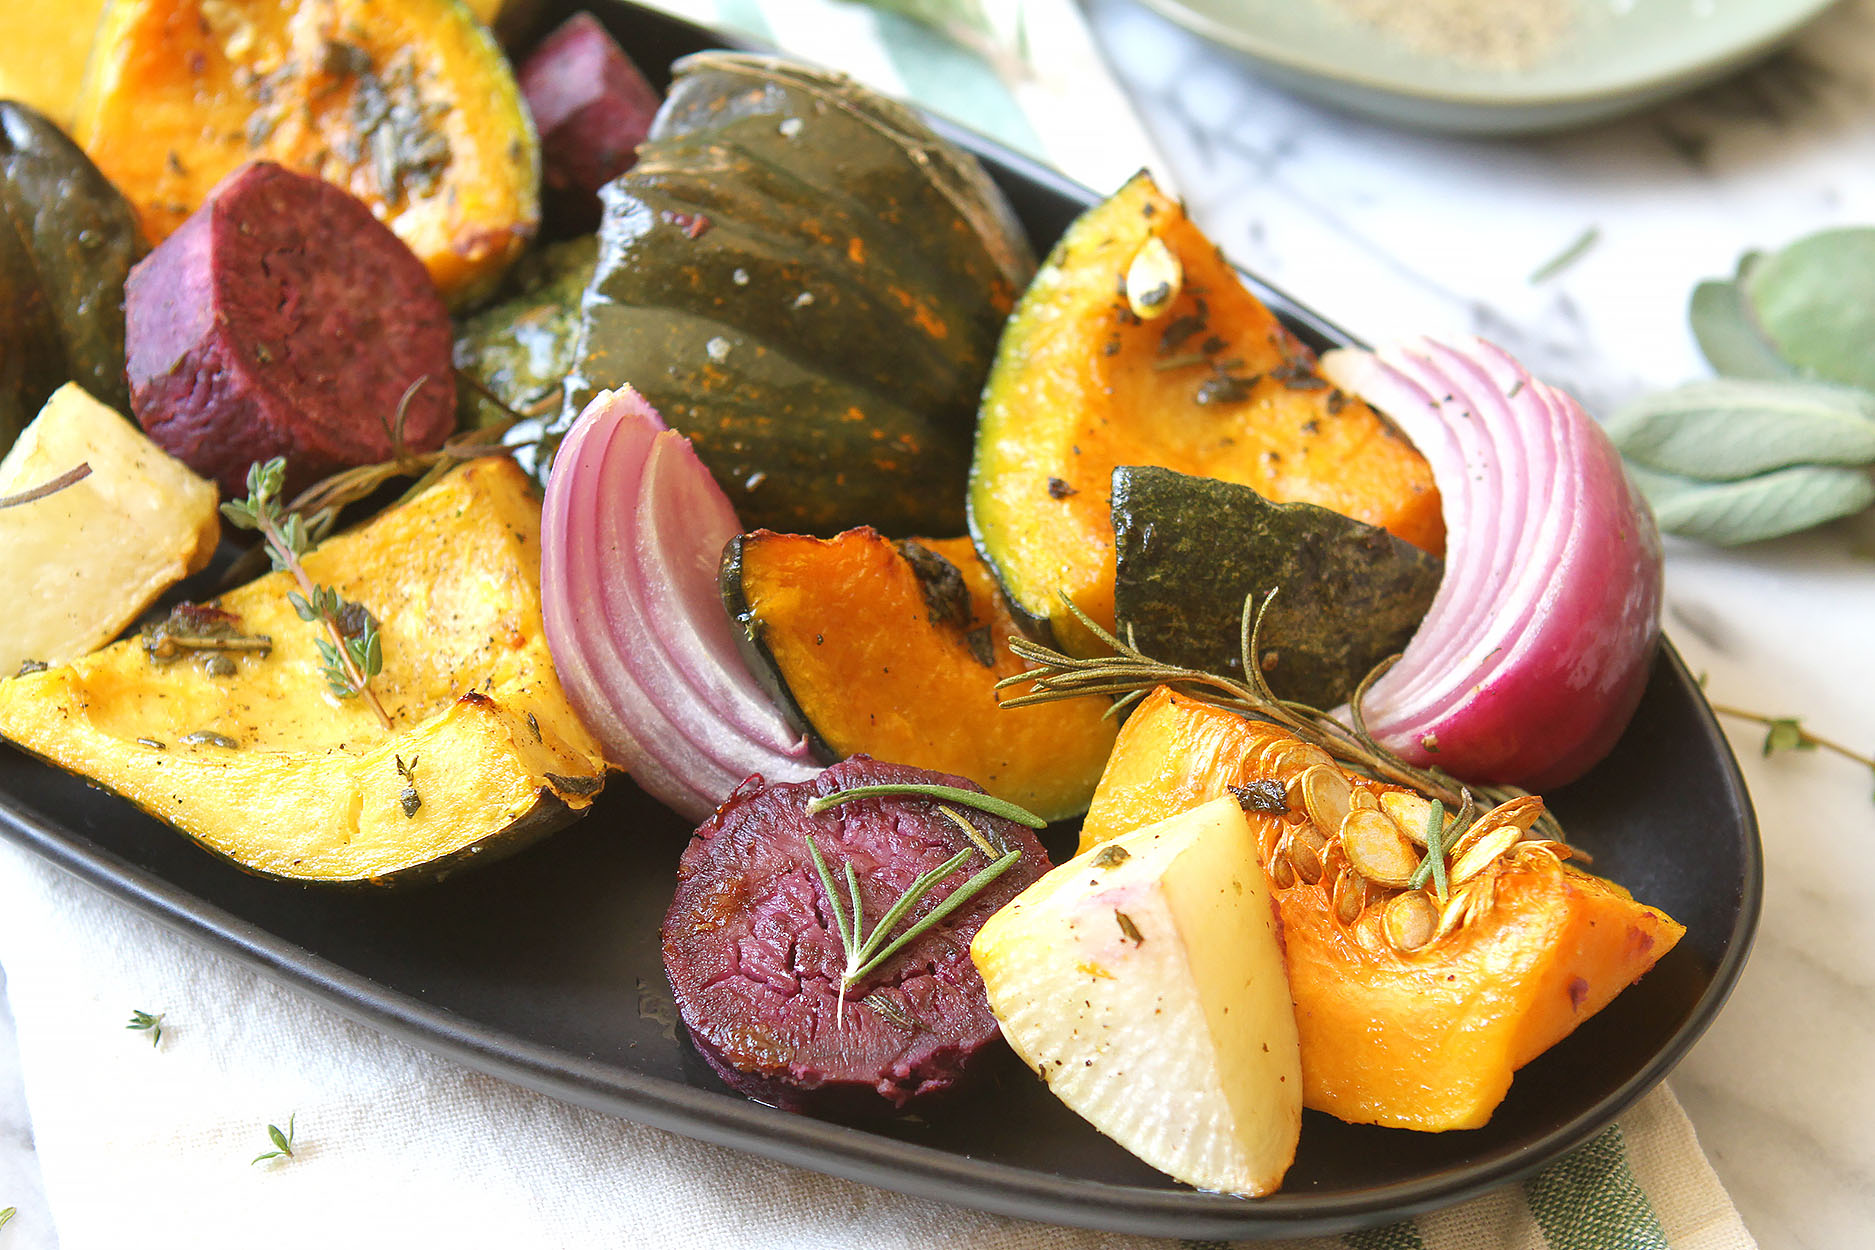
{"points": [[1144, 983], [1191, 549], [593, 108], [81, 564], [247, 340], [408, 106], [767, 981], [806, 281], [42, 53], [1210, 384], [894, 650], [262, 765], [69, 241], [522, 348], [1414, 1012]]}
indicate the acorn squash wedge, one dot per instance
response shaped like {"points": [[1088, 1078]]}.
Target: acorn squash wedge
{"points": [[411, 107], [1210, 384], [1412, 1014], [806, 281], [894, 649], [249, 753]]}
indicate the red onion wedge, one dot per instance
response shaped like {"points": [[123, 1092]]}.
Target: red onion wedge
{"points": [[631, 534], [1535, 651]]}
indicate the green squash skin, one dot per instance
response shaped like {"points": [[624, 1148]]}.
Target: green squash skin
{"points": [[853, 406], [523, 347], [754, 417], [1190, 549], [776, 106], [760, 660], [30, 366], [797, 294], [729, 182], [79, 237]]}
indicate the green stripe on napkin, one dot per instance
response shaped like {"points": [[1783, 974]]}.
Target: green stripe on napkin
{"points": [[1401, 1236], [1589, 1200]]}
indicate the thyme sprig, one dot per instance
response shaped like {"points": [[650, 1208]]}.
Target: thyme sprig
{"points": [[1128, 675], [352, 650], [282, 1142], [1786, 733], [867, 951], [153, 1024]]}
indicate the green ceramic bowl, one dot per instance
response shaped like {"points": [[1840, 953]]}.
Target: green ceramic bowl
{"points": [[1609, 61]]}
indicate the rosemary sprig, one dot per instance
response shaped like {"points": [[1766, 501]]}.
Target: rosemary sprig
{"points": [[867, 951], [145, 1021], [1131, 674], [282, 1142], [71, 477], [968, 798], [352, 649], [1434, 863]]}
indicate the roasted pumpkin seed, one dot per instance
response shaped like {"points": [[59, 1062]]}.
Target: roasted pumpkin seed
{"points": [[1305, 852], [1282, 872], [1326, 792], [1350, 897], [1285, 757], [1153, 280], [1484, 852], [1410, 812], [1362, 799], [1411, 921], [1378, 849]]}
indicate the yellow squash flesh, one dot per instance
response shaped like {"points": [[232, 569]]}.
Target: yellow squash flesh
{"points": [[311, 788], [409, 106]]}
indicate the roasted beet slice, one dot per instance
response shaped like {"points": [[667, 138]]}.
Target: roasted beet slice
{"points": [[754, 956], [592, 107], [283, 319]]}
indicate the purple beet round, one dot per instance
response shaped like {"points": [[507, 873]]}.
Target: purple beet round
{"points": [[755, 960], [592, 107], [283, 319]]}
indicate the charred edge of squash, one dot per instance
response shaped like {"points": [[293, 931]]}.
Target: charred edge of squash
{"points": [[756, 656]]}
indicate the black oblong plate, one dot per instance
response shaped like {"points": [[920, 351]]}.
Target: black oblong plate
{"points": [[545, 970]]}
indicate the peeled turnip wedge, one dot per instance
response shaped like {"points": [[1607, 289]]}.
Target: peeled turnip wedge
{"points": [[631, 532], [1144, 981], [1536, 649]]}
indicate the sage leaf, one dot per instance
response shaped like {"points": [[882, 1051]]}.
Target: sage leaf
{"points": [[1782, 501], [1733, 343], [1728, 428], [1816, 303]]}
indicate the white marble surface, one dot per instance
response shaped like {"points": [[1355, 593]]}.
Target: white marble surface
{"points": [[1393, 234]]}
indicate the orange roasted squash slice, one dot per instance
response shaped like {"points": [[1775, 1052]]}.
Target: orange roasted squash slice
{"points": [[1411, 1014], [894, 649], [1212, 386], [411, 107]]}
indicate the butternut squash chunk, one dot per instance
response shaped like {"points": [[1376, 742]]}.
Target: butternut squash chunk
{"points": [[1426, 1038]]}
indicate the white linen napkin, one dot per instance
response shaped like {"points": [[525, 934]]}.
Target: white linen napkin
{"points": [[154, 1144]]}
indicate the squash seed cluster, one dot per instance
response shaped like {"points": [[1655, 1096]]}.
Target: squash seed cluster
{"points": [[1363, 842]]}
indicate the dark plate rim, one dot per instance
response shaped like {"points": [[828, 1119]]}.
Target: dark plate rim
{"points": [[854, 1154]]}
